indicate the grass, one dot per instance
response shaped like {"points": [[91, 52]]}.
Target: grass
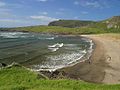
{"points": [[65, 30], [19, 78], [60, 30]]}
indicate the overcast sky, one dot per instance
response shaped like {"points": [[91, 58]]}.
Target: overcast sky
{"points": [[40, 12]]}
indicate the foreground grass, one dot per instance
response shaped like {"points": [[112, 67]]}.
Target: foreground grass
{"points": [[19, 78]]}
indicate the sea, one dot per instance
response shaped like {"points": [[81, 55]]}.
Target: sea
{"points": [[43, 52]]}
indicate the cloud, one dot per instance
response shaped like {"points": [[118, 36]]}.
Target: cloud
{"points": [[4, 10], [10, 20], [92, 3], [32, 20], [42, 0], [84, 12], [59, 13], [61, 9], [76, 3], [43, 18], [6, 15], [10, 5], [2, 4], [14, 22], [45, 13], [76, 17]]}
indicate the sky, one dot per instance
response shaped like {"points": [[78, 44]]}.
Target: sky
{"points": [[15, 13]]}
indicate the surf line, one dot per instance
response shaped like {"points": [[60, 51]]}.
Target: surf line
{"points": [[55, 47]]}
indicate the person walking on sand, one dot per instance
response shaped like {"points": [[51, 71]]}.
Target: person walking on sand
{"points": [[89, 61]]}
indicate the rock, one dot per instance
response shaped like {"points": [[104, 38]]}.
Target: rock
{"points": [[3, 65]]}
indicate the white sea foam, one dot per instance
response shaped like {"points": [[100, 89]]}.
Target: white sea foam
{"points": [[53, 49], [60, 61], [66, 59], [50, 38], [71, 45], [12, 34], [56, 45]]}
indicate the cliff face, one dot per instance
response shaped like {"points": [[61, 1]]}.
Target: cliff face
{"points": [[113, 22], [71, 23]]}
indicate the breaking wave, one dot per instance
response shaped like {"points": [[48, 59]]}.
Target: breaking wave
{"points": [[49, 52], [13, 34]]}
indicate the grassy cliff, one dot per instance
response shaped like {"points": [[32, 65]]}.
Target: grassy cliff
{"points": [[19, 78], [71, 23], [59, 30], [111, 25]]}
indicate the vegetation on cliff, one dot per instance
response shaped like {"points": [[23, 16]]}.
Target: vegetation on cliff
{"points": [[20, 78]]}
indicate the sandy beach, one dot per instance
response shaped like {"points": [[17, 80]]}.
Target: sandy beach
{"points": [[105, 62]]}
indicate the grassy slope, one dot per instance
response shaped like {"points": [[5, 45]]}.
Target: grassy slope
{"points": [[97, 28], [70, 23], [60, 30], [111, 25], [18, 78]]}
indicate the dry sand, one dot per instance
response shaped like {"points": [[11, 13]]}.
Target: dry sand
{"points": [[111, 46], [105, 65]]}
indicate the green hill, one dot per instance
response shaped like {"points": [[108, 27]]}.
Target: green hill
{"points": [[19, 78], [113, 22], [111, 25], [71, 23]]}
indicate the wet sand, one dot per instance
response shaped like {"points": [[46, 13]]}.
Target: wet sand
{"points": [[104, 65]]}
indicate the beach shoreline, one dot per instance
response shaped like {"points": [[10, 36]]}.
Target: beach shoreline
{"points": [[101, 67]]}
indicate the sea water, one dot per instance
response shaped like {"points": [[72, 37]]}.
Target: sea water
{"points": [[39, 51]]}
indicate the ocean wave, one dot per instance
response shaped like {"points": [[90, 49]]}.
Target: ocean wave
{"points": [[53, 49], [70, 45], [60, 61], [13, 34], [50, 38], [61, 54], [46, 67], [56, 45], [66, 59]]}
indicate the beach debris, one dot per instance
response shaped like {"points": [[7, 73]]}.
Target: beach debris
{"points": [[108, 58], [3, 65]]}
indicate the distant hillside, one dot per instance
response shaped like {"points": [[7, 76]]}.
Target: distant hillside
{"points": [[71, 23], [111, 25], [113, 22]]}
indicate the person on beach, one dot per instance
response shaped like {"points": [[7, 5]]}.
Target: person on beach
{"points": [[89, 61], [108, 58]]}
